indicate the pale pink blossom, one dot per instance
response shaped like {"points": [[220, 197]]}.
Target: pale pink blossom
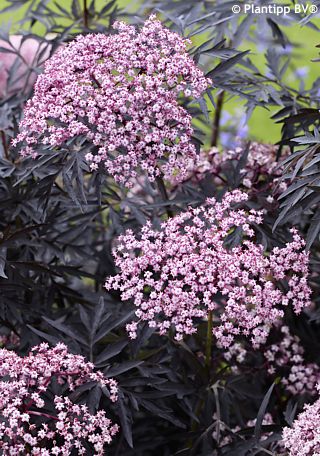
{"points": [[121, 92], [260, 171], [34, 420], [176, 275], [284, 359], [303, 438], [288, 355]]}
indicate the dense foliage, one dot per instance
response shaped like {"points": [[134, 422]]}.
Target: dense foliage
{"points": [[158, 289]]}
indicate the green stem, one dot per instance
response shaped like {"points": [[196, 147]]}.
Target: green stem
{"points": [[209, 341]]}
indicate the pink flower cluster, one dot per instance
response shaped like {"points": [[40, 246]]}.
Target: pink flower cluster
{"points": [[236, 355], [180, 273], [260, 169], [288, 354], [34, 421], [121, 92], [303, 439], [284, 359]]}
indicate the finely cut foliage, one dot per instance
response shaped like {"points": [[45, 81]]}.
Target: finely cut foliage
{"points": [[179, 273], [125, 165]]}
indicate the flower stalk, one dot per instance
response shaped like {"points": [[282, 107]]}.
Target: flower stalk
{"points": [[85, 14], [216, 120], [209, 341]]}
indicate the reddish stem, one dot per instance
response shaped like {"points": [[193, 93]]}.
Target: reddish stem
{"points": [[46, 415]]}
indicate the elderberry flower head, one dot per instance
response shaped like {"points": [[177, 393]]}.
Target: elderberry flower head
{"points": [[34, 419], [180, 273], [303, 438], [287, 355], [121, 93], [258, 167], [284, 359]]}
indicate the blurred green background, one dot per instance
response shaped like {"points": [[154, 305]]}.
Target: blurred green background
{"points": [[260, 127]]}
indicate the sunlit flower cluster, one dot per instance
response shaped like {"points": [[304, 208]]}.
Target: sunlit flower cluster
{"points": [[35, 419], [178, 274], [121, 92]]}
